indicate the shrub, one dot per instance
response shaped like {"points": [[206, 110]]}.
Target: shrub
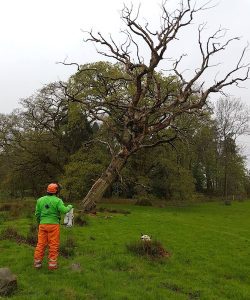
{"points": [[143, 202], [145, 199], [151, 249], [6, 207]]}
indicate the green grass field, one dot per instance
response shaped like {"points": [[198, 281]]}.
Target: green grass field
{"points": [[209, 246]]}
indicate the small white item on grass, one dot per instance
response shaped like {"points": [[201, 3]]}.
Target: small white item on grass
{"points": [[145, 238], [68, 219]]}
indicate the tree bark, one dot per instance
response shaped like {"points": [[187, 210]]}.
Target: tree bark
{"points": [[107, 178]]}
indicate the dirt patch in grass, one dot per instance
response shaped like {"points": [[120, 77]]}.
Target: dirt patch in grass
{"points": [[81, 220], [31, 237], [67, 249], [113, 210], [13, 210], [18, 209], [193, 295], [11, 234]]}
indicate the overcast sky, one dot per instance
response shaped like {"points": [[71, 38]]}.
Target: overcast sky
{"points": [[35, 34]]}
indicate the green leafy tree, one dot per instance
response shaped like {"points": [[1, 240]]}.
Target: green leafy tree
{"points": [[37, 140]]}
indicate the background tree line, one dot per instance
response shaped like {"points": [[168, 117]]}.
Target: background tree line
{"points": [[51, 138]]}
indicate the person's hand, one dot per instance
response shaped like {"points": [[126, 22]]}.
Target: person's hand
{"points": [[70, 206]]}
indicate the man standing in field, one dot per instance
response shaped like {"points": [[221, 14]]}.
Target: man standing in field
{"points": [[48, 214]]}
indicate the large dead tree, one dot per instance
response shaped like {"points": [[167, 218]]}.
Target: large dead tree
{"points": [[139, 100]]}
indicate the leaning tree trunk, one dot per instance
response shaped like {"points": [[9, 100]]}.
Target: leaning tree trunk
{"points": [[107, 178]]}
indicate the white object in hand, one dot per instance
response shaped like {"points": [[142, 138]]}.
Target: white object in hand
{"points": [[68, 219]]}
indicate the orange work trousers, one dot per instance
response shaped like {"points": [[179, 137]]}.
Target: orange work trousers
{"points": [[48, 234]]}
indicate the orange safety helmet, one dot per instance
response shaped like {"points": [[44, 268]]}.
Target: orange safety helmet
{"points": [[52, 188]]}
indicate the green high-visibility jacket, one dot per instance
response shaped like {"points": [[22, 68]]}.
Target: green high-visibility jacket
{"points": [[49, 209]]}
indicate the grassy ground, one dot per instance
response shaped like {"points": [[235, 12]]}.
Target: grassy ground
{"points": [[209, 246]]}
